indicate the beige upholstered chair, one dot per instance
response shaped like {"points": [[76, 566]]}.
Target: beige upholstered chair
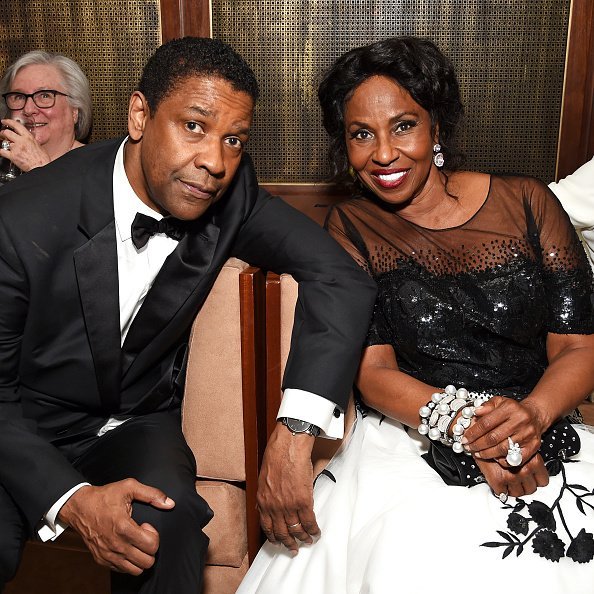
{"points": [[223, 420]]}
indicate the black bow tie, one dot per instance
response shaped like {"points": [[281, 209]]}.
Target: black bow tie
{"points": [[144, 227]]}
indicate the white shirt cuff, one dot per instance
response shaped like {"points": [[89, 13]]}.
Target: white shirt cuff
{"points": [[50, 527], [314, 409]]}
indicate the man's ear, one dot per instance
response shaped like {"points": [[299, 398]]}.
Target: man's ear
{"points": [[138, 113]]}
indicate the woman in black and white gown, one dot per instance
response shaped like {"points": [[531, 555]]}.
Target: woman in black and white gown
{"points": [[463, 469]]}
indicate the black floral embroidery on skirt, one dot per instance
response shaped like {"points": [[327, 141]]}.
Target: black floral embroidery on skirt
{"points": [[327, 473], [540, 525]]}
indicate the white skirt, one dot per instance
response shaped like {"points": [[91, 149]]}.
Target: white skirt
{"points": [[390, 524]]}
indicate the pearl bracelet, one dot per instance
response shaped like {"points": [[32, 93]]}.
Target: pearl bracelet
{"points": [[438, 414]]}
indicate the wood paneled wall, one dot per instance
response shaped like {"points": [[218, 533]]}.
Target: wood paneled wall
{"points": [[576, 125]]}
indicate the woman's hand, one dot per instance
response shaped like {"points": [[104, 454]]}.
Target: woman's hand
{"points": [[518, 482], [498, 419], [25, 152]]}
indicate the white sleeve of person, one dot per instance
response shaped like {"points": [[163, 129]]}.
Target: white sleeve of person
{"points": [[314, 409], [50, 527]]}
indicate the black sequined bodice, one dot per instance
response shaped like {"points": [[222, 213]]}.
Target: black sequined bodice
{"points": [[473, 305]]}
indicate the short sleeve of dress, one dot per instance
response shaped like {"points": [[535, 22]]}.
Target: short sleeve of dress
{"points": [[566, 272], [346, 233]]}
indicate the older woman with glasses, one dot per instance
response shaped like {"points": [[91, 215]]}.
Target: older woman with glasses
{"points": [[46, 109]]}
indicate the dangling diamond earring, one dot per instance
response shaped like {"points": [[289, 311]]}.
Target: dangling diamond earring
{"points": [[438, 155]]}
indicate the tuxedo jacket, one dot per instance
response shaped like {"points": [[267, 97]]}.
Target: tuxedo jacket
{"points": [[63, 372]]}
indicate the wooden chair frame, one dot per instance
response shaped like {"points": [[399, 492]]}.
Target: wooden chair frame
{"points": [[252, 314]]}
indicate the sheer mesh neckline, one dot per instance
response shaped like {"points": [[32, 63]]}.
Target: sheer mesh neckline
{"points": [[452, 227], [520, 219]]}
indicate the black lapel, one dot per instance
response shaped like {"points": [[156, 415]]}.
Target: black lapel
{"points": [[183, 283], [96, 266], [180, 277]]}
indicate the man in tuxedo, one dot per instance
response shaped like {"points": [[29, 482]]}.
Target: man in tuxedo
{"points": [[106, 255]]}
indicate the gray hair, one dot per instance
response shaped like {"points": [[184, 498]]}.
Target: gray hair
{"points": [[75, 83]]}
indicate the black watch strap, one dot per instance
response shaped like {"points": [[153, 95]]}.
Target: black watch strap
{"points": [[297, 426]]}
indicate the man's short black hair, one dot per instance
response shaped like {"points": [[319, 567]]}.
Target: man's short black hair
{"points": [[180, 59]]}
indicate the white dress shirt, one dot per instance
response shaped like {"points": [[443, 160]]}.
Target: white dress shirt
{"points": [[312, 408], [137, 270]]}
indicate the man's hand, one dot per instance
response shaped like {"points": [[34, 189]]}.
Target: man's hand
{"points": [[285, 489], [102, 516]]}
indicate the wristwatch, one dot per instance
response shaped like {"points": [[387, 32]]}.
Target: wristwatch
{"points": [[296, 426]]}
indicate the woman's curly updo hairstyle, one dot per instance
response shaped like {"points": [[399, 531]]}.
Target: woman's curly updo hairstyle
{"points": [[415, 64]]}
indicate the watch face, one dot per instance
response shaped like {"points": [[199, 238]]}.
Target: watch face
{"points": [[298, 426]]}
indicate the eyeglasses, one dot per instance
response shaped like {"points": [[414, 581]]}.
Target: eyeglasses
{"points": [[44, 98]]}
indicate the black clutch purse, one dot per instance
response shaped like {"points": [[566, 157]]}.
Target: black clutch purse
{"points": [[560, 441]]}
